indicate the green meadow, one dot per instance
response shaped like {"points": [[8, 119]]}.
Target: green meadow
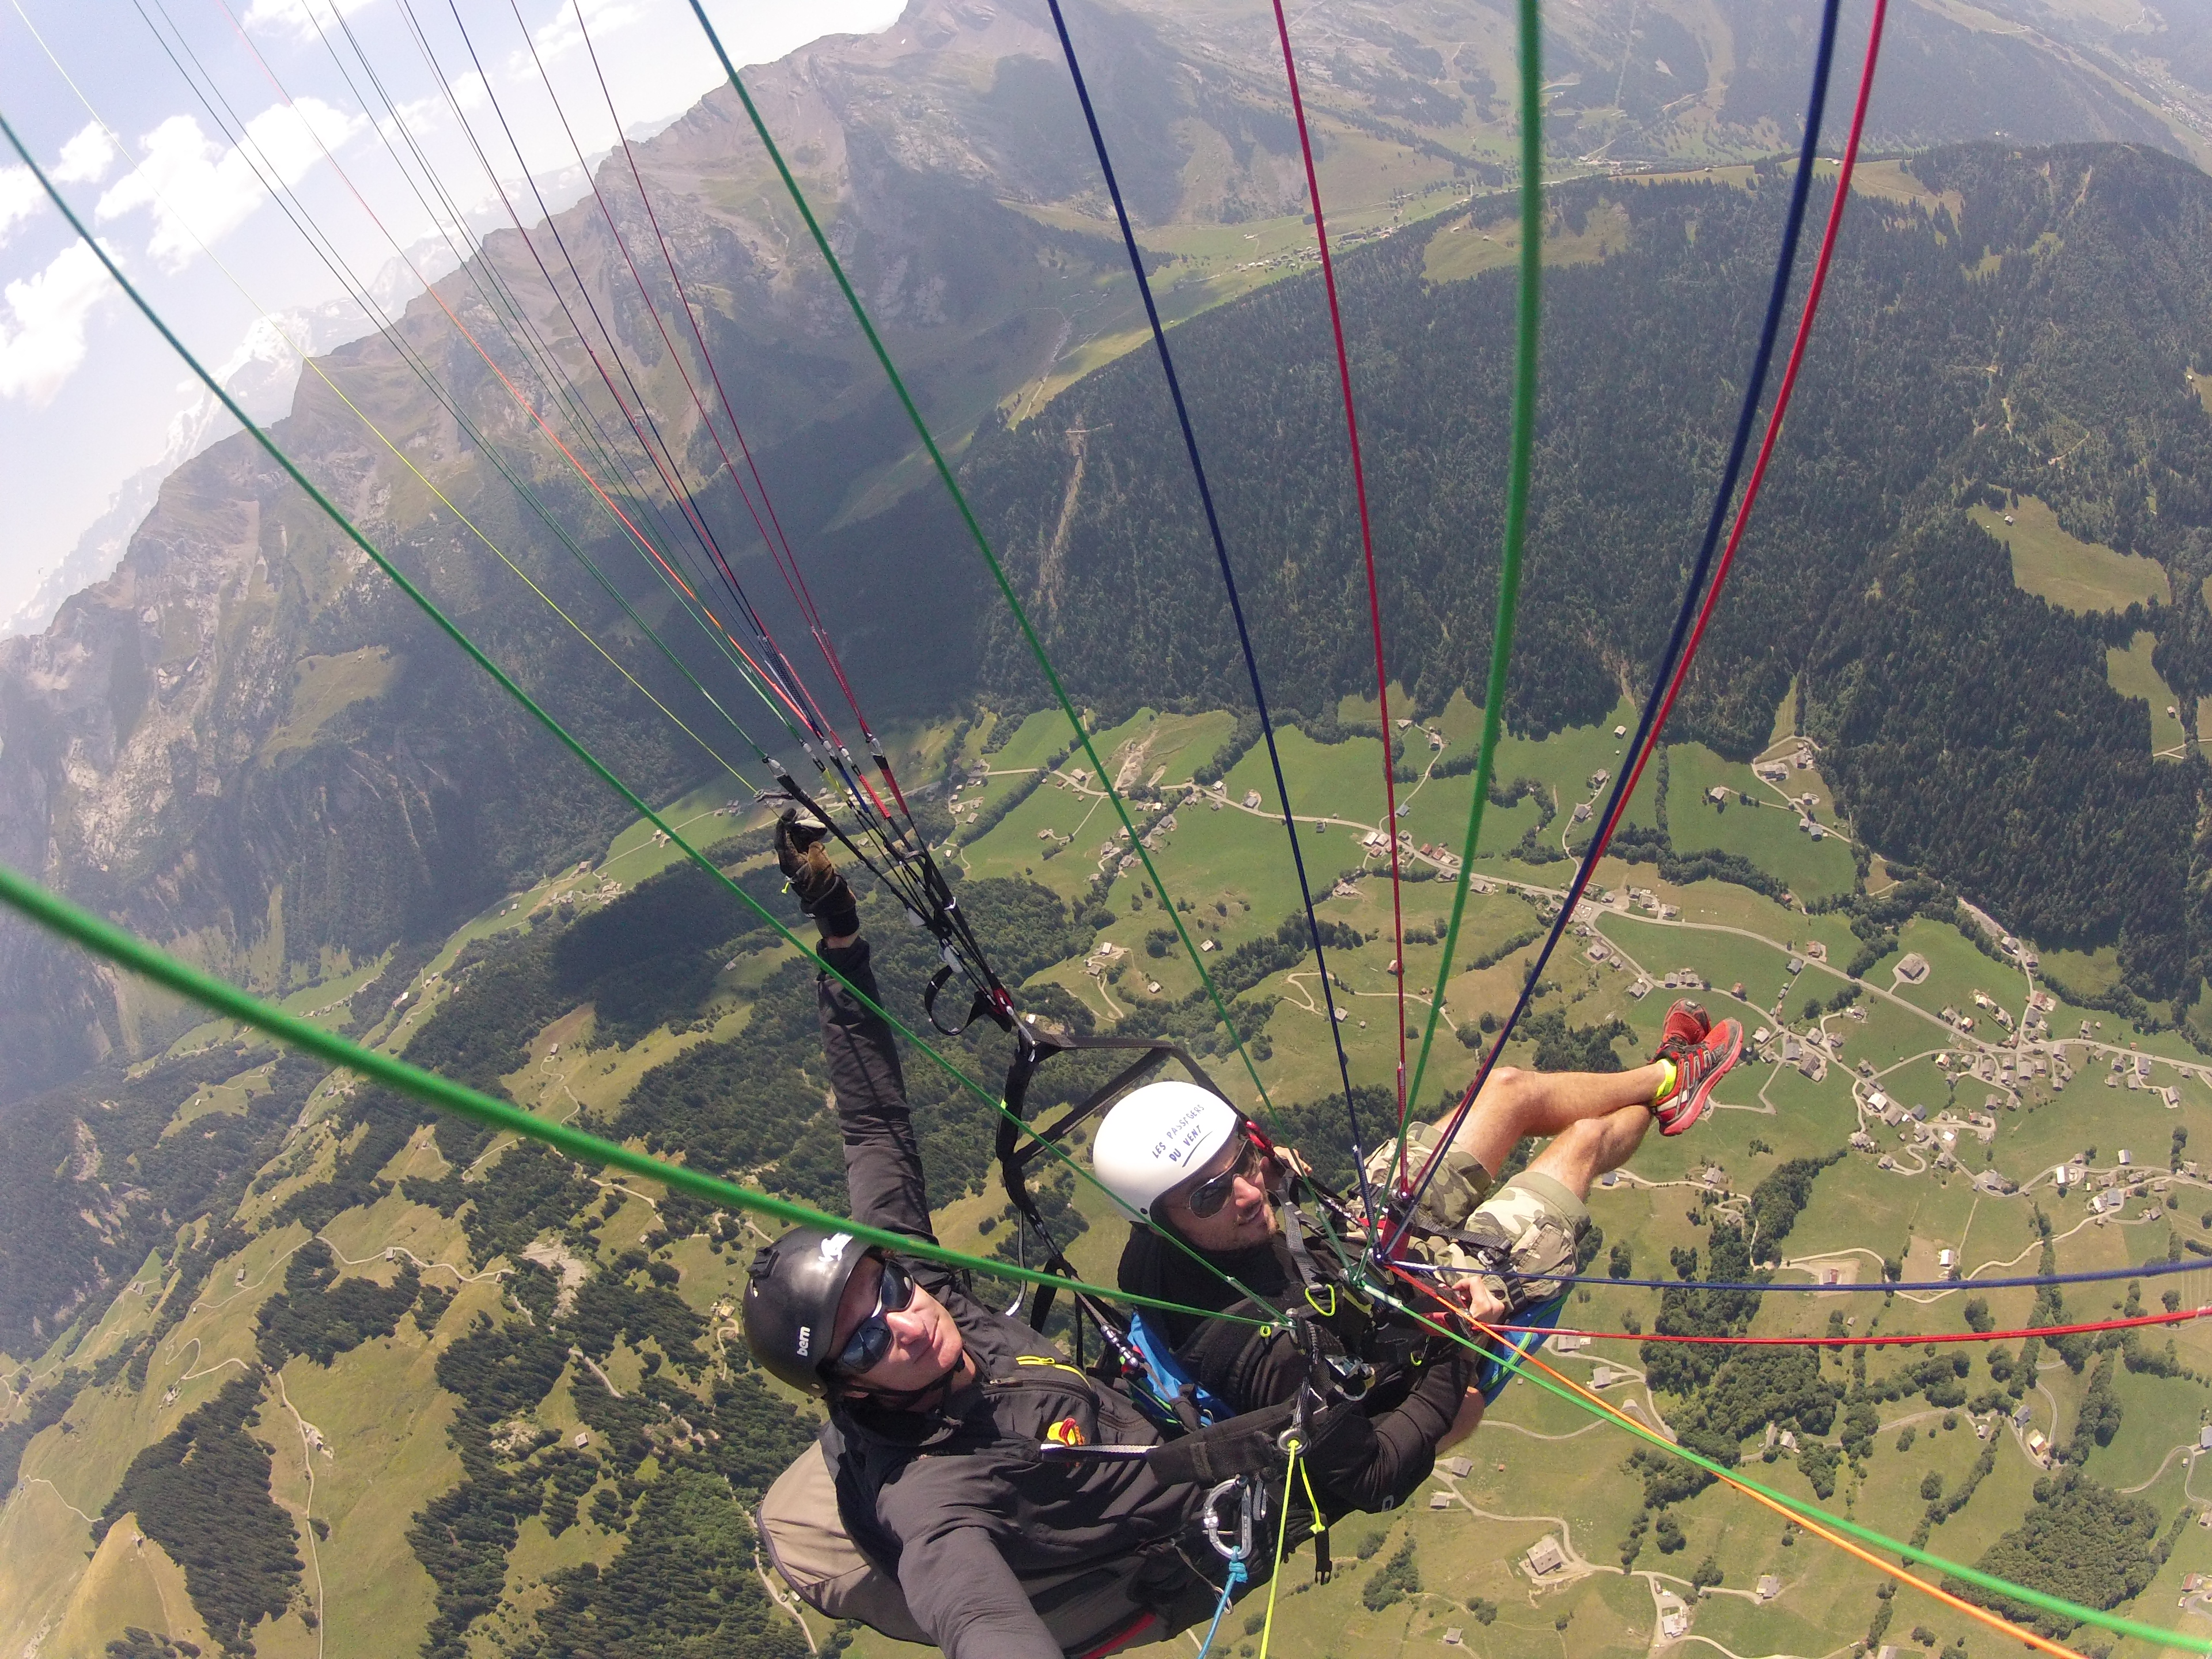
{"points": [[2072, 574]]}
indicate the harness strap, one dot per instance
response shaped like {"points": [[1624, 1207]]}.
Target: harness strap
{"points": [[1294, 1236], [1224, 1451]]}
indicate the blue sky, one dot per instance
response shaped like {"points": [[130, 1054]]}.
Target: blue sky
{"points": [[88, 394]]}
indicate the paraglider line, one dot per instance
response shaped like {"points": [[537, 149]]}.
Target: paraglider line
{"points": [[1366, 549], [2148, 1270], [1244, 632], [1647, 724], [1906, 1341], [1527, 328], [1821, 1522]]}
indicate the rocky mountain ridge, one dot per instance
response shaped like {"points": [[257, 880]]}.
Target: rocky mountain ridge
{"points": [[242, 745]]}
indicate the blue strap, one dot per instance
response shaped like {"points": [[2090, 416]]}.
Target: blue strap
{"points": [[1166, 1377], [1496, 1373]]}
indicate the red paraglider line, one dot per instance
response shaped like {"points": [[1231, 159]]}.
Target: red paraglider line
{"points": [[1906, 1342], [1774, 423], [1367, 549]]}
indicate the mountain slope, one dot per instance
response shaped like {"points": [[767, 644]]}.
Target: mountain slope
{"points": [[1995, 322], [137, 764]]}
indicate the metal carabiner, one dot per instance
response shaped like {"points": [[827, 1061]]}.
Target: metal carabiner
{"points": [[1251, 1508], [1351, 1377]]}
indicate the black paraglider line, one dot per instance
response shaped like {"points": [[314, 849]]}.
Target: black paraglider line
{"points": [[1647, 729], [1235, 604]]}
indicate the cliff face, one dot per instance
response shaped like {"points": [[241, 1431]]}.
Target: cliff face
{"points": [[239, 745]]}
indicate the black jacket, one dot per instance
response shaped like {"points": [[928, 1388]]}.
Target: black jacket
{"points": [[1372, 1454], [958, 1501]]}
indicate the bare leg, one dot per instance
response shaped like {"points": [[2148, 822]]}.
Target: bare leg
{"points": [[1584, 1151], [1516, 1104]]}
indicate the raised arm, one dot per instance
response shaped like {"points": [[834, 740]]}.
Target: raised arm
{"points": [[882, 1165]]}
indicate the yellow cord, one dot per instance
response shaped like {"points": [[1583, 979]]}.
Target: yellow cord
{"points": [[1319, 1525], [1282, 1533]]}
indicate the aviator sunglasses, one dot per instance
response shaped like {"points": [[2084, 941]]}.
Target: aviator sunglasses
{"points": [[1207, 1198], [865, 1349]]}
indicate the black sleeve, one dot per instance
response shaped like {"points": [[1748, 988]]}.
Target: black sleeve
{"points": [[1357, 1462], [882, 1165], [1362, 1463], [960, 1589]]}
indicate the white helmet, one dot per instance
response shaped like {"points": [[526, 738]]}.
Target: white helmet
{"points": [[1157, 1137]]}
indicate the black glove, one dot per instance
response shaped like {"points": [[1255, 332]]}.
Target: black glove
{"points": [[823, 893]]}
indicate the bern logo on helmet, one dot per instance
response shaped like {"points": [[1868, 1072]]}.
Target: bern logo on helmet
{"points": [[805, 1337], [834, 1246]]}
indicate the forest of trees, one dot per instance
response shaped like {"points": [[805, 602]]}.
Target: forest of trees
{"points": [[54, 1247], [201, 1493], [1970, 725], [2082, 1542], [321, 1316], [718, 1441]]}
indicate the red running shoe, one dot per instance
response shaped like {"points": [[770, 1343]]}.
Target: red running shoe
{"points": [[1685, 1028], [1697, 1069]]}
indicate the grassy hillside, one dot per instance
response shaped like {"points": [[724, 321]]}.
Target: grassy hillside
{"points": [[397, 1428]]}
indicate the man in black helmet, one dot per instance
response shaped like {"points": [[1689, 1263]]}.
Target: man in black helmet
{"points": [[938, 1404]]}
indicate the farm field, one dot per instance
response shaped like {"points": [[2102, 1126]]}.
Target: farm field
{"points": [[1462, 1542], [2134, 675]]}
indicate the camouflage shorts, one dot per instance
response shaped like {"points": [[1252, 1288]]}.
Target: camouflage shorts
{"points": [[1531, 1225]]}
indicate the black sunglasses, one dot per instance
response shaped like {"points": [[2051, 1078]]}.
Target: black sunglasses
{"points": [[865, 1349], [1207, 1198]]}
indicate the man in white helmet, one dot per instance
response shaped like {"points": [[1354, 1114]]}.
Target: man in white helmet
{"points": [[1207, 1178]]}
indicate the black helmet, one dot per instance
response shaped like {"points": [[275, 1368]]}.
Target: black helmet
{"points": [[790, 1311]]}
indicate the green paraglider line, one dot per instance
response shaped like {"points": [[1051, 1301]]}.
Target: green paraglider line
{"points": [[1514, 1361], [104, 939], [17, 885], [1526, 326]]}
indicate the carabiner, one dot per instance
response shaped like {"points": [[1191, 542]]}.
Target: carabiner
{"points": [[1251, 1510]]}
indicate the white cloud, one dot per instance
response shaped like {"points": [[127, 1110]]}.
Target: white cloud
{"points": [[469, 92], [603, 17], [296, 20], [42, 336], [19, 198], [86, 157], [200, 192]]}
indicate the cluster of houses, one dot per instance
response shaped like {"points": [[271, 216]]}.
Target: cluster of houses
{"points": [[1809, 1054], [1682, 979], [1644, 898]]}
